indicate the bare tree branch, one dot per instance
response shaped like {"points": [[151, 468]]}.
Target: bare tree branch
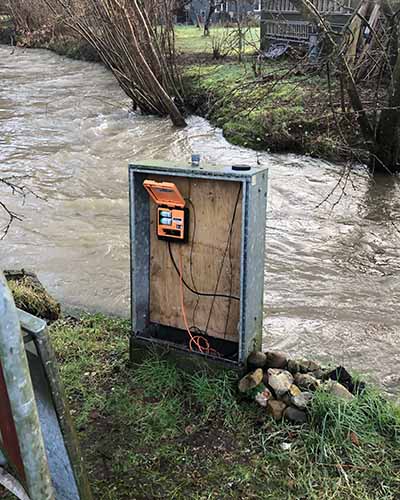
{"points": [[17, 188]]}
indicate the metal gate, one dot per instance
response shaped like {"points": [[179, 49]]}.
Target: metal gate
{"points": [[39, 452]]}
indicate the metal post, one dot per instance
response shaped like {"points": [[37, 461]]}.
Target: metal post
{"points": [[22, 400], [8, 431]]}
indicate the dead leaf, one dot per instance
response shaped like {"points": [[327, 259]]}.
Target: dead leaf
{"points": [[354, 438], [94, 414], [189, 429]]}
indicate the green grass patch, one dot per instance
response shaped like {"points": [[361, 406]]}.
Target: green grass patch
{"points": [[278, 106], [276, 112], [155, 431], [191, 40]]}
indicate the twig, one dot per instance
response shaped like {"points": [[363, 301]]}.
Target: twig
{"points": [[16, 189]]}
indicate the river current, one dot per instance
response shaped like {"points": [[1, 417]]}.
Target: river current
{"points": [[332, 270]]}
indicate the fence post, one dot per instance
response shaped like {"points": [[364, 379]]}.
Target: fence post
{"points": [[22, 400]]}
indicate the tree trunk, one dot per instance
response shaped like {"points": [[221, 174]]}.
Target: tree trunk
{"points": [[386, 156], [384, 146], [211, 10]]}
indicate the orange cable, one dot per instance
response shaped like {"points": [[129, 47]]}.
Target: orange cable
{"points": [[195, 340]]}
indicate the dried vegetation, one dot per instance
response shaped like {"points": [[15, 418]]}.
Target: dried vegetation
{"points": [[134, 40]]}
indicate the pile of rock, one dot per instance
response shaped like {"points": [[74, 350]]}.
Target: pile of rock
{"points": [[285, 387]]}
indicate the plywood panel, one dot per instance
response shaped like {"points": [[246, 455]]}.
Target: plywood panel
{"points": [[203, 260]]}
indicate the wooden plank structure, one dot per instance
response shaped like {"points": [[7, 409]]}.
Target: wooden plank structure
{"points": [[354, 33], [364, 38], [209, 230], [282, 22]]}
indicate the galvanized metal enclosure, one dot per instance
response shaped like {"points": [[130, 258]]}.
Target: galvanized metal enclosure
{"points": [[155, 287]]}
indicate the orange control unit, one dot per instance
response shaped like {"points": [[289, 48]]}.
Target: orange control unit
{"points": [[172, 215]]}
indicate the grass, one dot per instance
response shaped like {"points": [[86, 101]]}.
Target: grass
{"points": [[34, 299], [280, 112], [191, 40], [153, 431], [277, 106]]}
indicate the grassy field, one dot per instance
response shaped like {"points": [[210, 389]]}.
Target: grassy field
{"points": [[191, 40], [154, 431]]}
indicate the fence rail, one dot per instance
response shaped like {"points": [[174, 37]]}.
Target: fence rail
{"points": [[323, 6]]}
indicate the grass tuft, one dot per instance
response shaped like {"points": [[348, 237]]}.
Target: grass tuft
{"points": [[352, 432], [33, 299], [216, 396], [158, 378]]}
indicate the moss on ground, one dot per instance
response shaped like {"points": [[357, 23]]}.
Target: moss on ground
{"points": [[31, 297], [154, 431], [74, 49], [279, 111]]}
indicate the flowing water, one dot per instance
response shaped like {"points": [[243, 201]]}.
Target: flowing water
{"points": [[331, 273]]}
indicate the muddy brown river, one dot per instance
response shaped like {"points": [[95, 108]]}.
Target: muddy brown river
{"points": [[332, 272]]}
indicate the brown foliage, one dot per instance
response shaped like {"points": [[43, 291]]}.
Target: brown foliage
{"points": [[134, 39], [29, 15]]}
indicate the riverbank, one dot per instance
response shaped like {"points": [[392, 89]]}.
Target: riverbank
{"points": [[7, 33], [153, 431], [275, 114], [279, 106], [275, 106], [63, 45]]}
